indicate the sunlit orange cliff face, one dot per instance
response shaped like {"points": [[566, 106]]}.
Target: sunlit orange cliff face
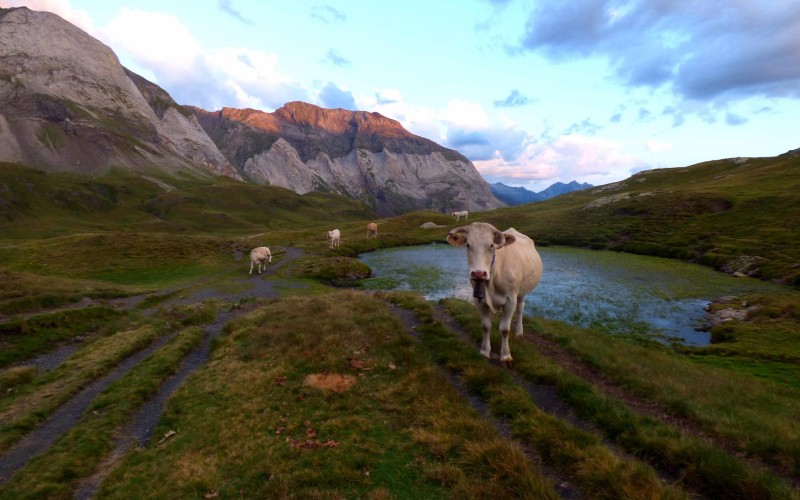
{"points": [[333, 121]]}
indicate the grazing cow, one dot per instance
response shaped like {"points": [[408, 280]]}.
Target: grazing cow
{"points": [[260, 256], [372, 230], [503, 268], [459, 215], [333, 238]]}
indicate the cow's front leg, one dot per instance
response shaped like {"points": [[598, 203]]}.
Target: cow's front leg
{"points": [[486, 321], [505, 329]]}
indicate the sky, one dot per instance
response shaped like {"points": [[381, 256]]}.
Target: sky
{"points": [[532, 92]]}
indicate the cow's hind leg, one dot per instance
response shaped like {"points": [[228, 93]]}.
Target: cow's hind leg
{"points": [[520, 312]]}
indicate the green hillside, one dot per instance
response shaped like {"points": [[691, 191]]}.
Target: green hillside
{"points": [[735, 215], [34, 204]]}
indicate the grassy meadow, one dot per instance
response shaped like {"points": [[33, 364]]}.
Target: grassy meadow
{"points": [[317, 389]]}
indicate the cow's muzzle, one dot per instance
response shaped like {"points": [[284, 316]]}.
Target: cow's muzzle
{"points": [[479, 279]]}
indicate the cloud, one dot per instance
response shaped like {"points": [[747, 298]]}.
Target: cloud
{"points": [[227, 7], [700, 50], [513, 100], [678, 117], [485, 144], [656, 146], [388, 96], [569, 157], [327, 14], [586, 127], [211, 79], [336, 59], [62, 8], [464, 114], [332, 96], [734, 119]]}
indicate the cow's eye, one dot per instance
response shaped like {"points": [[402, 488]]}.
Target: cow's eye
{"points": [[467, 245]]}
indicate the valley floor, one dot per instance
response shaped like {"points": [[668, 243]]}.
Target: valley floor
{"points": [[259, 391]]}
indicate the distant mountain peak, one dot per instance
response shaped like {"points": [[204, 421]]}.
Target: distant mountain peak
{"points": [[516, 195]]}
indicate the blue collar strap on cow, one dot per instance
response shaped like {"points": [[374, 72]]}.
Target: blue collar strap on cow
{"points": [[494, 254]]}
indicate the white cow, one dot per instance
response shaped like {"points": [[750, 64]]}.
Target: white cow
{"points": [[258, 256], [459, 215], [503, 268], [333, 238]]}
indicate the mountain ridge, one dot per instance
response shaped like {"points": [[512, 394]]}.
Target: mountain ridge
{"points": [[67, 104], [518, 195], [364, 155]]}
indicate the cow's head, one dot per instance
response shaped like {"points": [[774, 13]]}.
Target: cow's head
{"points": [[482, 241]]}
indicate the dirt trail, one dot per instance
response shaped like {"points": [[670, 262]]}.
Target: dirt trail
{"points": [[62, 420], [561, 484], [140, 430], [574, 365], [547, 399]]}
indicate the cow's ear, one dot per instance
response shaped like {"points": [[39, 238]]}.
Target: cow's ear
{"points": [[503, 239], [498, 238], [457, 237]]}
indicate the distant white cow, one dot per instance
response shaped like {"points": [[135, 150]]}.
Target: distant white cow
{"points": [[503, 268], [260, 256], [459, 215], [333, 238], [372, 230]]}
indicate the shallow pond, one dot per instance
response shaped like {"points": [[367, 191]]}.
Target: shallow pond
{"points": [[611, 291]]}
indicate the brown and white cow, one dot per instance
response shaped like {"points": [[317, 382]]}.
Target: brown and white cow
{"points": [[503, 268], [372, 230], [260, 256]]}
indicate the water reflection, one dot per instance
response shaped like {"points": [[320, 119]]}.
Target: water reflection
{"points": [[616, 292]]}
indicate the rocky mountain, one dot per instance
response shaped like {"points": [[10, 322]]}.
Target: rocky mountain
{"points": [[364, 155], [66, 104], [519, 195]]}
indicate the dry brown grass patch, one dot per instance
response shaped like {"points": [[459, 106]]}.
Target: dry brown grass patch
{"points": [[334, 382]]}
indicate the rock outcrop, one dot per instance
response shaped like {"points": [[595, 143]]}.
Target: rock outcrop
{"points": [[364, 155], [66, 103]]}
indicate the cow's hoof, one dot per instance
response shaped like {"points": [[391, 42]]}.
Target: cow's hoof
{"points": [[486, 354], [507, 362]]}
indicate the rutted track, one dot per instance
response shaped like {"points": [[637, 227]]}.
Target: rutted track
{"points": [[562, 485], [67, 415], [140, 429], [651, 409]]}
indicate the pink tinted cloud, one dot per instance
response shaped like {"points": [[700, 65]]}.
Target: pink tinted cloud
{"points": [[569, 157]]}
